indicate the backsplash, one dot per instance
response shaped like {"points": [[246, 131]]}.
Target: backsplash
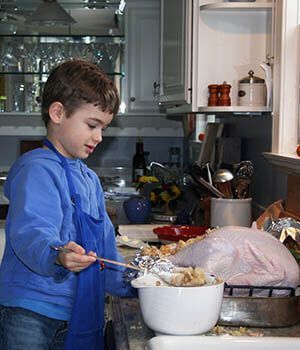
{"points": [[113, 151]]}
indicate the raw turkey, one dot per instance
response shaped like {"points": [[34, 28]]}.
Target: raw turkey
{"points": [[242, 256]]}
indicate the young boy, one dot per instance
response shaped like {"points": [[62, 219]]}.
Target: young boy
{"points": [[53, 299]]}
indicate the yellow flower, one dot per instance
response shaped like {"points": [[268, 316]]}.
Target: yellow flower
{"points": [[175, 190], [147, 179], [165, 196], [153, 196]]}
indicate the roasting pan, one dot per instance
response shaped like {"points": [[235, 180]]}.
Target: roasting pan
{"points": [[252, 311]]}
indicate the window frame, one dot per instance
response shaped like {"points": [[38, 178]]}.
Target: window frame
{"points": [[286, 79]]}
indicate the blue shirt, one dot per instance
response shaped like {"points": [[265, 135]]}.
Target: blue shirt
{"points": [[41, 215]]}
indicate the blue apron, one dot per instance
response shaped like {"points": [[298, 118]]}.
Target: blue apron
{"points": [[85, 330]]}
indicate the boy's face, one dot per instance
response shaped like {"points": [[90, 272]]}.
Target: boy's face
{"points": [[78, 135]]}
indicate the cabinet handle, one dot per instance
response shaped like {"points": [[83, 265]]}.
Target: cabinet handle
{"points": [[156, 88], [156, 85], [132, 99]]}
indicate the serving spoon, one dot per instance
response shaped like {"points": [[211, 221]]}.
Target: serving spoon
{"points": [[222, 175], [66, 250], [167, 277]]}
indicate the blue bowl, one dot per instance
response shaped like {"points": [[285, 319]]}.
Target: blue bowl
{"points": [[137, 209]]}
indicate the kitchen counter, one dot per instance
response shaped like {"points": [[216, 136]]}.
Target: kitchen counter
{"points": [[131, 333]]}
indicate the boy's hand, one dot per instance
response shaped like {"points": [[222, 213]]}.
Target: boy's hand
{"points": [[77, 259]]}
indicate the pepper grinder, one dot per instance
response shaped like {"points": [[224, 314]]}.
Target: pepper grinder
{"points": [[224, 98], [213, 95]]}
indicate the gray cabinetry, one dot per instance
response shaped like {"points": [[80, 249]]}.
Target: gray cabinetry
{"points": [[175, 65], [141, 56]]}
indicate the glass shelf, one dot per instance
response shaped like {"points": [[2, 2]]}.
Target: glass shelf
{"points": [[121, 37], [26, 60]]}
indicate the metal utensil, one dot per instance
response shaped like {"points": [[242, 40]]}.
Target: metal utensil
{"points": [[199, 181], [222, 175], [66, 250], [244, 168], [166, 275], [260, 312]]}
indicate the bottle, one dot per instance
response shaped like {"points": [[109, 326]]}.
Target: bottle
{"points": [[138, 162]]}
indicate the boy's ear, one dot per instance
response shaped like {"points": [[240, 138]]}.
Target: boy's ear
{"points": [[56, 112]]}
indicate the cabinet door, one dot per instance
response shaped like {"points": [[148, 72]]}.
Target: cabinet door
{"points": [[175, 64], [142, 56]]}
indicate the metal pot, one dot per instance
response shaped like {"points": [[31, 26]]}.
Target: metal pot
{"points": [[252, 91]]}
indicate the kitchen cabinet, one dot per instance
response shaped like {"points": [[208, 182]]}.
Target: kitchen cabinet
{"points": [[141, 56], [26, 61], [212, 42], [175, 65]]}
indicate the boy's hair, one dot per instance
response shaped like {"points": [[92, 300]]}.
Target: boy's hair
{"points": [[76, 82]]}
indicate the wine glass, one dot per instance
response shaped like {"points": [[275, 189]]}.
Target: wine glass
{"points": [[98, 53], [8, 59], [32, 95], [18, 97]]}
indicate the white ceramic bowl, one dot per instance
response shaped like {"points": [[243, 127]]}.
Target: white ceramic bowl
{"points": [[179, 310]]}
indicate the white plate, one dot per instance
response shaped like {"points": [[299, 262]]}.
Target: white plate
{"points": [[130, 242], [222, 342], [143, 232]]}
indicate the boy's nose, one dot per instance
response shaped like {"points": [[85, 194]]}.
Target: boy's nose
{"points": [[97, 136]]}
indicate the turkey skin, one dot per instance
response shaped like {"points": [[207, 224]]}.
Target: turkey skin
{"points": [[242, 256]]}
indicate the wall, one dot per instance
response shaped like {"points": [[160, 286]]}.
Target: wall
{"points": [[159, 133], [268, 184], [118, 151]]}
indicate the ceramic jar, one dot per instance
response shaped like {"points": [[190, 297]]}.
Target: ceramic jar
{"points": [[137, 209], [252, 91]]}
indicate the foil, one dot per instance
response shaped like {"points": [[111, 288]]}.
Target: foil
{"points": [[283, 228], [148, 264], [153, 264]]}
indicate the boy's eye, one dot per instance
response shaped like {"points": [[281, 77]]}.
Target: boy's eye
{"points": [[97, 126], [91, 126]]}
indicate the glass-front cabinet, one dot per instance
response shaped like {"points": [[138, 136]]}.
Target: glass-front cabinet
{"points": [[26, 60]]}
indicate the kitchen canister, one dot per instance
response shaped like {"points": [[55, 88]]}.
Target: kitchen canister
{"points": [[230, 212], [252, 91]]}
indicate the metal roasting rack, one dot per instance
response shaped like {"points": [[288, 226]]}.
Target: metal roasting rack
{"points": [[252, 289]]}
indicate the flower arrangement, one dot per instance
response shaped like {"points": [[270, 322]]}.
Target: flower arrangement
{"points": [[161, 194]]}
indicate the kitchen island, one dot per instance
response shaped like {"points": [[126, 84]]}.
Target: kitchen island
{"points": [[131, 333]]}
